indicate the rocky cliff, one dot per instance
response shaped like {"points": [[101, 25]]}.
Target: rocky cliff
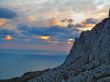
{"points": [[89, 58]]}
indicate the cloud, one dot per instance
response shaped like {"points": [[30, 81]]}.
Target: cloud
{"points": [[33, 37], [48, 9], [70, 41], [6, 13], [7, 35], [57, 22], [79, 25], [6, 32], [5, 16], [32, 18], [54, 32], [90, 21], [3, 22], [87, 23], [41, 1], [43, 37], [8, 38], [8, 26], [40, 29]]}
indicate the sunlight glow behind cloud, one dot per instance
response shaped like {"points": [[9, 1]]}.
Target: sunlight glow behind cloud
{"points": [[8, 38], [44, 37]]}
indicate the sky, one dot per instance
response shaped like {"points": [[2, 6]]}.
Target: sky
{"points": [[47, 25]]}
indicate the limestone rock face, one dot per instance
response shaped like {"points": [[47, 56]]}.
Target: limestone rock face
{"points": [[88, 61]]}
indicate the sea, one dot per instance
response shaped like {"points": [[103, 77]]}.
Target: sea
{"points": [[13, 63]]}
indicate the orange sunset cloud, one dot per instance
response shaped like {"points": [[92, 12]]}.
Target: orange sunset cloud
{"points": [[3, 22], [89, 25], [56, 21], [8, 38], [44, 37], [86, 27]]}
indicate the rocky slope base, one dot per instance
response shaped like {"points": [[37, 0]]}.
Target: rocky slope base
{"points": [[88, 61], [26, 76]]}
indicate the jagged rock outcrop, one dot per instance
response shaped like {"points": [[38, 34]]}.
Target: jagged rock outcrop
{"points": [[88, 61]]}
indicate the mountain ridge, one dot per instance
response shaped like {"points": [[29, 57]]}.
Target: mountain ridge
{"points": [[89, 58]]}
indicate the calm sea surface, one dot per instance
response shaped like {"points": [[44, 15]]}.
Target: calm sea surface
{"points": [[16, 62]]}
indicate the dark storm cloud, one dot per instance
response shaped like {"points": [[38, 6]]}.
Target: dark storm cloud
{"points": [[7, 14]]}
